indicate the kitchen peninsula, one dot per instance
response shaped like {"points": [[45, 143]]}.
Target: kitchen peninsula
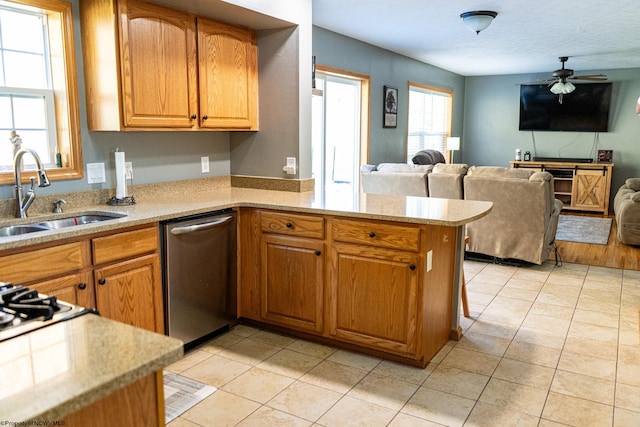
{"points": [[374, 273]]}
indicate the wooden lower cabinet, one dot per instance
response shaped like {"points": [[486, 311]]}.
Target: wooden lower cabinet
{"points": [[117, 273], [362, 284], [373, 297], [128, 292], [138, 404]]}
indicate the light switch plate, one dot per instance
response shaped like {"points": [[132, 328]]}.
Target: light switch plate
{"points": [[96, 173], [429, 260]]}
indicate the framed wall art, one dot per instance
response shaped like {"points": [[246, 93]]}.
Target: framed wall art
{"points": [[390, 118], [605, 156]]}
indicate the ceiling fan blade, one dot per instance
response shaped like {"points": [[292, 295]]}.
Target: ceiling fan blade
{"points": [[581, 76], [594, 78], [541, 82]]}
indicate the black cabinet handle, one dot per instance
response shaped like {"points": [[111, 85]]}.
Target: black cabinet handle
{"points": [[102, 281], [82, 286], [412, 267], [205, 117], [372, 234], [193, 117], [289, 225], [318, 253]]}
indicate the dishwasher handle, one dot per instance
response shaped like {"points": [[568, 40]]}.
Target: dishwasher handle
{"points": [[197, 227]]}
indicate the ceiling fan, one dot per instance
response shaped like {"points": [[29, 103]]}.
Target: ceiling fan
{"points": [[560, 84]]}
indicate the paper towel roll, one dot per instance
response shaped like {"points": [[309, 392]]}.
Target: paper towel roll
{"points": [[121, 182]]}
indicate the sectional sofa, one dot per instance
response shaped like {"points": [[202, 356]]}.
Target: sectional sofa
{"points": [[522, 224]]}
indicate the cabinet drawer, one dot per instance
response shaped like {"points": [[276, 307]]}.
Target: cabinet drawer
{"points": [[42, 263], [293, 225], [405, 237], [124, 245]]}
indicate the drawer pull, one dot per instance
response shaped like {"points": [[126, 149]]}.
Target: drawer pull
{"points": [[289, 225], [372, 234], [318, 253], [102, 281], [412, 267], [82, 286]]}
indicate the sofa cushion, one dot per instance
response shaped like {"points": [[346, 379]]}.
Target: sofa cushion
{"points": [[635, 197], [499, 172], [428, 157], [403, 168], [540, 176], [455, 168], [633, 183]]}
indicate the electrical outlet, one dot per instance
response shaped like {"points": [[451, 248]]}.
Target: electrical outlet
{"points": [[128, 170], [204, 164]]}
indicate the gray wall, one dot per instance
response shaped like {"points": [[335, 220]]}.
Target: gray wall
{"points": [[490, 135], [284, 64], [386, 68]]}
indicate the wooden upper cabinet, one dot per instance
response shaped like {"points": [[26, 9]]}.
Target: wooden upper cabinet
{"points": [[158, 66], [148, 67], [228, 73]]}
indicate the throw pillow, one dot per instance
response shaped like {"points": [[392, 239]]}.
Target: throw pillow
{"points": [[428, 157]]}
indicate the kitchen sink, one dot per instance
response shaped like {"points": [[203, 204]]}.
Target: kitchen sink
{"points": [[72, 221], [16, 230], [57, 223]]}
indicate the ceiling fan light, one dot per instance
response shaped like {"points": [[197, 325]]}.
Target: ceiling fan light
{"points": [[569, 87], [557, 88], [478, 20]]}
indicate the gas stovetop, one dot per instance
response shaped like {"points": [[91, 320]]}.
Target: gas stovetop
{"points": [[24, 310]]}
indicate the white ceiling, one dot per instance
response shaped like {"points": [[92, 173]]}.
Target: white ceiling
{"points": [[527, 36]]}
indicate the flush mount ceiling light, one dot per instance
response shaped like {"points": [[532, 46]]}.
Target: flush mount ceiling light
{"points": [[478, 20]]}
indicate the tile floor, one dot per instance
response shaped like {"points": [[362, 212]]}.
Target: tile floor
{"points": [[546, 346]]}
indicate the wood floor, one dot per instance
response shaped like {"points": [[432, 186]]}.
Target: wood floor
{"points": [[614, 254]]}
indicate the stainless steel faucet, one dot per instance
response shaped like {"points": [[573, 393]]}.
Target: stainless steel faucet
{"points": [[23, 201]]}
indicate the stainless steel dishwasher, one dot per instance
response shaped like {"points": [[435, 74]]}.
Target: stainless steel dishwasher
{"points": [[199, 275]]}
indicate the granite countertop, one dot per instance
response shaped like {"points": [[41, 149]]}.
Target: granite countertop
{"points": [[55, 371], [167, 205]]}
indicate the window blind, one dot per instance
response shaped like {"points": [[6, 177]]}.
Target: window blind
{"points": [[429, 120]]}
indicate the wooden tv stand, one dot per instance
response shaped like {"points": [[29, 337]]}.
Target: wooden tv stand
{"points": [[580, 186]]}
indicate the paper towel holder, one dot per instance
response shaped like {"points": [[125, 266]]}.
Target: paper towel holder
{"points": [[126, 200]]}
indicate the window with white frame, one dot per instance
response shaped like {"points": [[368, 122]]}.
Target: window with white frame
{"points": [[430, 111], [26, 94]]}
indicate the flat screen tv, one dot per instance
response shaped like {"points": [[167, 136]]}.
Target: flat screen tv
{"points": [[586, 109]]}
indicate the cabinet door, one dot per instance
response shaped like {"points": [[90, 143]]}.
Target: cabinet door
{"points": [[589, 189], [373, 297], [74, 288], [158, 63], [292, 280], [228, 76], [131, 292]]}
